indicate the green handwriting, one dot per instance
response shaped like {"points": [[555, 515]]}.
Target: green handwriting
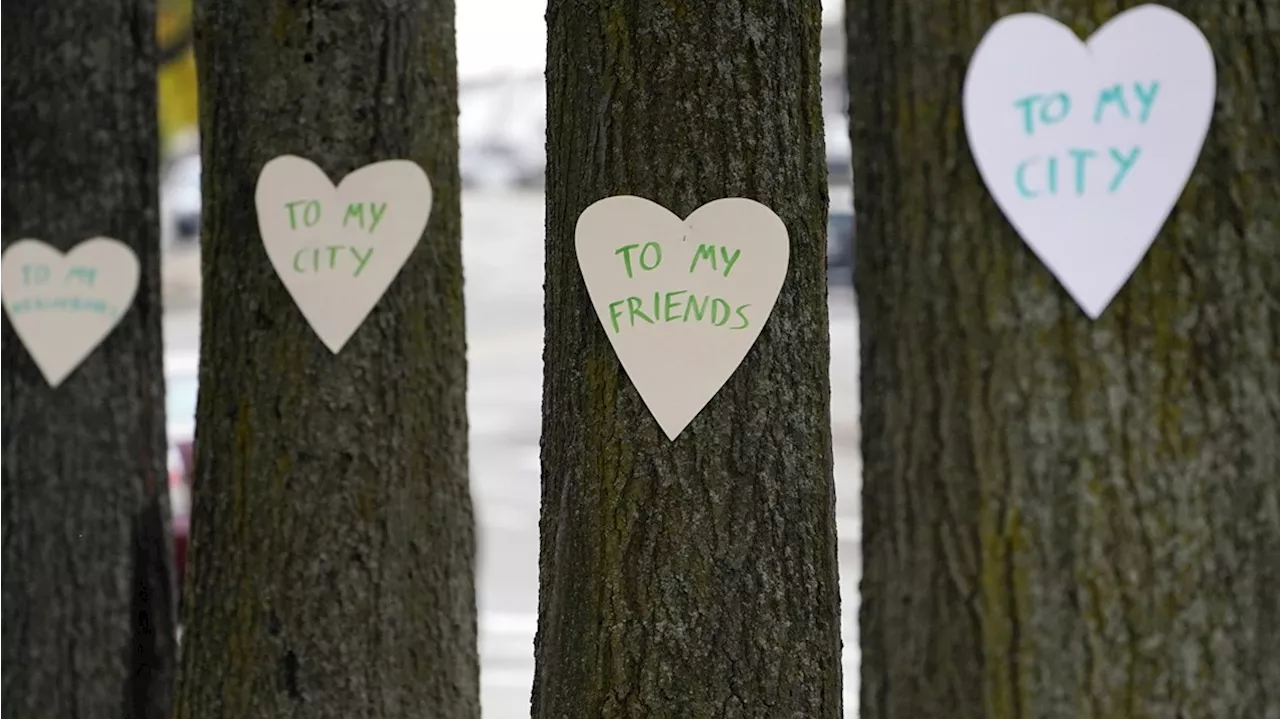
{"points": [[672, 307], [356, 210], [650, 256], [708, 253], [336, 259], [310, 213]]}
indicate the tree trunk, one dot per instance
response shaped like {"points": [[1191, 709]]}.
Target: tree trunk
{"points": [[88, 586], [694, 578], [333, 539], [1064, 518]]}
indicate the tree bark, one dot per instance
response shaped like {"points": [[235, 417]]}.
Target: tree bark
{"points": [[1064, 518], [333, 538], [694, 578], [87, 586]]}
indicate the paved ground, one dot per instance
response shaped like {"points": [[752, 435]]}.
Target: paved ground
{"points": [[503, 254]]}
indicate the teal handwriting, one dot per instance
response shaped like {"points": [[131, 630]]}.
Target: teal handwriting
{"points": [[72, 304], [1054, 108], [1113, 98], [1036, 176], [35, 274], [82, 275], [1078, 170], [40, 274]]}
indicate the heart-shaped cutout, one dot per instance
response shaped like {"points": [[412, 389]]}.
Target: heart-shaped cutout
{"points": [[1087, 146], [63, 306], [682, 301], [337, 249]]}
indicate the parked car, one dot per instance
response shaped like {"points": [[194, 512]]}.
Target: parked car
{"points": [[488, 165], [502, 132], [182, 381], [840, 236], [180, 202]]}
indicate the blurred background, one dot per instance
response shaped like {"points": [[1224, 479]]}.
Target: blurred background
{"points": [[502, 123]]}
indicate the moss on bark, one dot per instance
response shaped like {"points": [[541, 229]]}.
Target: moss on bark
{"points": [[1064, 519], [694, 578], [333, 538], [88, 587]]}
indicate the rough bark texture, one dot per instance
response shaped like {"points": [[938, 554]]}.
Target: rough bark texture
{"points": [[1064, 519], [333, 539], [694, 578], [87, 588]]}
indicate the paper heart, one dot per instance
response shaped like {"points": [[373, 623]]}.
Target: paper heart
{"points": [[1086, 147], [63, 306], [682, 301], [337, 249]]}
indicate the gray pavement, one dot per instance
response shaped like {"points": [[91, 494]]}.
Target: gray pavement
{"points": [[503, 259]]}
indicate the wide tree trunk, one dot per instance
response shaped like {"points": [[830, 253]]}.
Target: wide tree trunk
{"points": [[333, 538], [88, 589], [1064, 518], [694, 578]]}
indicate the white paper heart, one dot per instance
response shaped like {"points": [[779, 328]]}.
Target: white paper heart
{"points": [[682, 301], [1086, 147], [63, 306], [338, 249]]}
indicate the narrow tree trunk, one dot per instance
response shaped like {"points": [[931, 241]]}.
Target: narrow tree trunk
{"points": [[333, 538], [1064, 518], [88, 586], [694, 578]]}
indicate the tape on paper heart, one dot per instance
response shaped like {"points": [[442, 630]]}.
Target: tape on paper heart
{"points": [[337, 249], [1087, 146], [63, 306], [682, 301]]}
